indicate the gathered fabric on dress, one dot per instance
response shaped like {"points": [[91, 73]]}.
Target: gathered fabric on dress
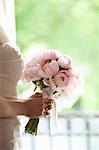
{"points": [[11, 65]]}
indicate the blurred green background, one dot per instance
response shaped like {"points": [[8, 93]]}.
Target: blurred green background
{"points": [[72, 27]]}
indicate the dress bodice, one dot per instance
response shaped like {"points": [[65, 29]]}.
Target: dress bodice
{"points": [[11, 65]]}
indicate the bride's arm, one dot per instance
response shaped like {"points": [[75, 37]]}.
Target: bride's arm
{"points": [[10, 108], [31, 107]]}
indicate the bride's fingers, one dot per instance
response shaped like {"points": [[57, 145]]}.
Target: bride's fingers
{"points": [[45, 113], [46, 101], [46, 109], [47, 105]]}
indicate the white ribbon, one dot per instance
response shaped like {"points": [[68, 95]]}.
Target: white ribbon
{"points": [[54, 129]]}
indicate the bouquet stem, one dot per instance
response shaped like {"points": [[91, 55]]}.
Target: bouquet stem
{"points": [[32, 126]]}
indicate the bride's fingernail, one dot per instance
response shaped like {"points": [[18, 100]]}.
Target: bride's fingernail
{"points": [[38, 94]]}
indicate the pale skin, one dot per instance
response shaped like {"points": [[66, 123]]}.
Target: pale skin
{"points": [[31, 107]]}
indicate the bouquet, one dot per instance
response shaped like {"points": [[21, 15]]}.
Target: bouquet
{"points": [[55, 76]]}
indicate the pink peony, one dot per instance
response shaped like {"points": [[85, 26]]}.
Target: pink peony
{"points": [[61, 80], [33, 62], [31, 71], [48, 56], [64, 62], [56, 72], [50, 69], [73, 90], [25, 77]]}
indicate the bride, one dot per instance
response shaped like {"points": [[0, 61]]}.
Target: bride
{"points": [[11, 65]]}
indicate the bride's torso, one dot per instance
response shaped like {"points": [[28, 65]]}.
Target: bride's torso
{"points": [[11, 65], [10, 70]]}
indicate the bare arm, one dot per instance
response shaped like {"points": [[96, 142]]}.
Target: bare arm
{"points": [[10, 108], [32, 107]]}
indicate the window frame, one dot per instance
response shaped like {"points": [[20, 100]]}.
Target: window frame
{"points": [[7, 18]]}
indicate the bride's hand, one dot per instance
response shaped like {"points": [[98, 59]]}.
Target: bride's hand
{"points": [[37, 106], [34, 107]]}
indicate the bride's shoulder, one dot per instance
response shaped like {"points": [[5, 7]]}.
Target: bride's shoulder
{"points": [[9, 52]]}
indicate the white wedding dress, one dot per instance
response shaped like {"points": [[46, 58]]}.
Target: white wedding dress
{"points": [[10, 71]]}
